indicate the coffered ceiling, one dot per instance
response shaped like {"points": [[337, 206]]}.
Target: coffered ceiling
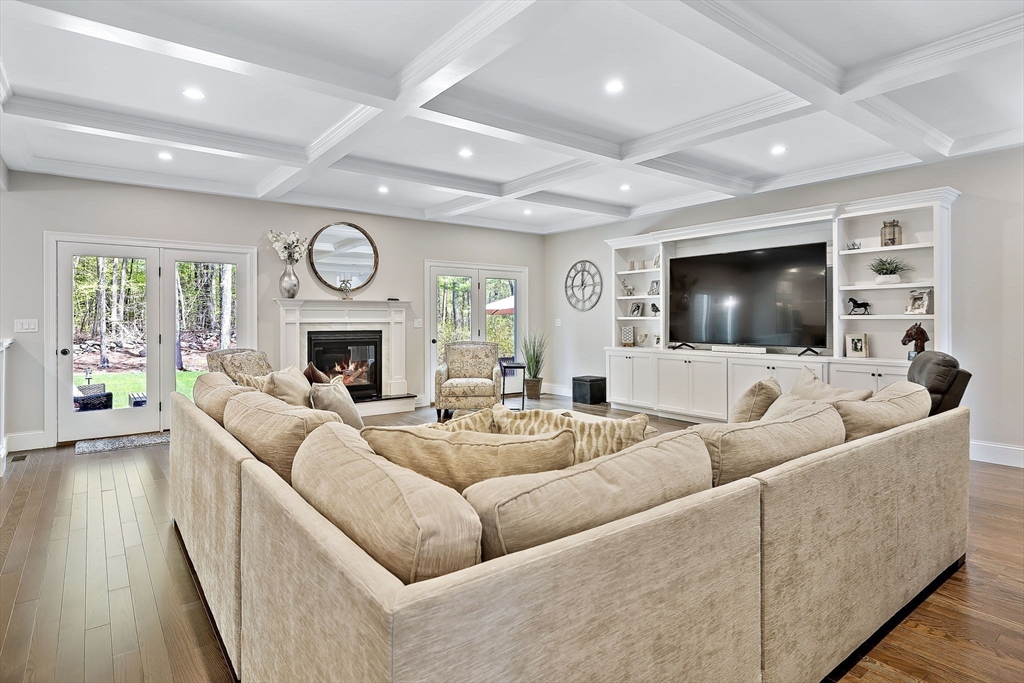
{"points": [[539, 116]]}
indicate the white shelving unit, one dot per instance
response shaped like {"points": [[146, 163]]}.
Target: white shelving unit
{"points": [[642, 250]]}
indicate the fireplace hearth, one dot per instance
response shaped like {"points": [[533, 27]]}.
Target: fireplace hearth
{"points": [[353, 355]]}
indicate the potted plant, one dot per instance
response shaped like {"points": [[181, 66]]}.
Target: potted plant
{"points": [[535, 345], [887, 269]]}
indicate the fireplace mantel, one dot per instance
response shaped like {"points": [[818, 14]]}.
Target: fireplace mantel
{"points": [[388, 316]]}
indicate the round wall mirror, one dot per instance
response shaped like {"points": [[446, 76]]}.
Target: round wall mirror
{"points": [[343, 253]]}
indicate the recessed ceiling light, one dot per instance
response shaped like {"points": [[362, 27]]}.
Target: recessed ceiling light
{"points": [[166, 156], [624, 188], [193, 94], [382, 189], [614, 86], [778, 149], [527, 212], [465, 152]]}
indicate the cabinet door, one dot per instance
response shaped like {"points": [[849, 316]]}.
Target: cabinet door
{"points": [[708, 387], [620, 378], [788, 371], [643, 381], [673, 387], [852, 376], [744, 374], [887, 375]]}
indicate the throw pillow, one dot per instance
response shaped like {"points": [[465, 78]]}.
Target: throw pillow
{"points": [[246, 363], [212, 392], [527, 510], [271, 429], [808, 386], [753, 403], [289, 385], [593, 439], [257, 382], [415, 528], [461, 459], [334, 397], [315, 375], [742, 449], [896, 404], [784, 405], [476, 421]]}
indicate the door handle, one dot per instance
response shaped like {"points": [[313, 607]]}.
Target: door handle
{"points": [[64, 352]]}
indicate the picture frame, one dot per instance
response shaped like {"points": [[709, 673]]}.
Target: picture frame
{"points": [[657, 260], [626, 335], [857, 345], [655, 289], [920, 302], [636, 309]]}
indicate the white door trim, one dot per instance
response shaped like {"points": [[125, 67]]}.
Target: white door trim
{"points": [[49, 324], [428, 304]]}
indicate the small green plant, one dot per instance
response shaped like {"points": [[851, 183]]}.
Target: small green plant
{"points": [[535, 345], [888, 266]]}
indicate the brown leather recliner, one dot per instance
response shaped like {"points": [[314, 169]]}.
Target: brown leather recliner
{"points": [[942, 375]]}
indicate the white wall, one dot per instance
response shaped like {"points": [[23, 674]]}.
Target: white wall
{"points": [[988, 286], [38, 203]]}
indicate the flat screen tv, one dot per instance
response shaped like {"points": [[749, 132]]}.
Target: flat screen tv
{"points": [[763, 297]]}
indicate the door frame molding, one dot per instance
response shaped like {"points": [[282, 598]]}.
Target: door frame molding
{"points": [[524, 309], [49, 323]]}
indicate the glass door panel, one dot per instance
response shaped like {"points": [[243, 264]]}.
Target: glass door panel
{"points": [[454, 302], [205, 317]]}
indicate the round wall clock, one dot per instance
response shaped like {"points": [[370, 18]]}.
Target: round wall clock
{"points": [[583, 285]]}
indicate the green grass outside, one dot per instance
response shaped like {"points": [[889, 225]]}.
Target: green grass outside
{"points": [[123, 383]]}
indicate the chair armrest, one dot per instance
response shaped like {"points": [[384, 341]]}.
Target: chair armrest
{"points": [[496, 375], [440, 377]]}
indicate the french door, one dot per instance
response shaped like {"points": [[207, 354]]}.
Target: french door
{"points": [[135, 323], [469, 303]]}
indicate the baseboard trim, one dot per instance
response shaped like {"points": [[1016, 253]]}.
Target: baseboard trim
{"points": [[997, 453], [557, 389], [27, 441]]}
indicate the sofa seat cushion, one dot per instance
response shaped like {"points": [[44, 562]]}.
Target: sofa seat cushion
{"points": [[473, 421], [288, 385], [335, 397], [212, 391], [744, 448], [463, 458], [468, 386], [593, 438], [527, 510], [271, 429], [414, 527], [809, 387], [752, 403], [897, 404]]}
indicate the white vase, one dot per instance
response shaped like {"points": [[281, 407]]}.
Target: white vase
{"points": [[887, 279]]}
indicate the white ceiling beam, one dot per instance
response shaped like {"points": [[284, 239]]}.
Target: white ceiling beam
{"points": [[383, 169], [138, 129], [846, 170], [884, 108], [5, 85], [352, 205], [678, 203], [988, 142], [697, 176], [579, 204], [977, 46]]}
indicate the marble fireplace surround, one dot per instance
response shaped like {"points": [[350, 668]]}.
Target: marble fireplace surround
{"points": [[299, 316]]}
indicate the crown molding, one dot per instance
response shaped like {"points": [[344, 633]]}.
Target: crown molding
{"points": [[5, 86], [333, 136], [884, 108], [757, 114], [943, 196], [914, 66], [456, 206], [988, 142], [421, 176], [351, 205], [276, 177], [556, 175], [578, 203], [678, 203], [699, 176], [852, 168], [642, 240], [127, 127], [810, 214]]}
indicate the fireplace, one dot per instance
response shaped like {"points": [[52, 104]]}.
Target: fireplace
{"points": [[353, 355]]}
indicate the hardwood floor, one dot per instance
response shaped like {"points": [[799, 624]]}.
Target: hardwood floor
{"points": [[94, 585]]}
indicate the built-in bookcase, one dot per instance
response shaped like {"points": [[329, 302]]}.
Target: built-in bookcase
{"points": [[642, 252]]}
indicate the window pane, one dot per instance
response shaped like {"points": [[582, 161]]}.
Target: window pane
{"points": [[205, 317], [501, 315], [454, 311]]}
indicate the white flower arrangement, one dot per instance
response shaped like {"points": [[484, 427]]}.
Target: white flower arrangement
{"points": [[291, 248]]}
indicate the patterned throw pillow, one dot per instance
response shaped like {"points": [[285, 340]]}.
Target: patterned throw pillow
{"points": [[252, 363], [476, 421], [593, 439]]}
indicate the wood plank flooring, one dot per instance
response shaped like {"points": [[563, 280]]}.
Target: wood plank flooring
{"points": [[94, 585]]}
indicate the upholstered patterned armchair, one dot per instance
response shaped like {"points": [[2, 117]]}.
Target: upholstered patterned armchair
{"points": [[468, 378]]}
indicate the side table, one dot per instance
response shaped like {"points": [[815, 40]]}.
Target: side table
{"points": [[513, 366]]}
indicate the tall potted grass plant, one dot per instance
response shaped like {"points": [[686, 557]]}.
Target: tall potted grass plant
{"points": [[534, 347]]}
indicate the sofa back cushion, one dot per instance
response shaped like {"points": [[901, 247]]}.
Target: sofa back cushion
{"points": [[212, 391], [335, 397], [289, 385], [527, 510], [808, 386], [271, 429], [752, 403], [460, 459], [896, 404], [593, 438], [414, 527], [784, 405], [745, 448]]}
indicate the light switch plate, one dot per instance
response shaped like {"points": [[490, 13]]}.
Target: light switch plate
{"points": [[26, 325], [417, 322]]}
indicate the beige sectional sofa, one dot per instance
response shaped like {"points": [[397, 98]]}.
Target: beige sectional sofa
{"points": [[777, 575]]}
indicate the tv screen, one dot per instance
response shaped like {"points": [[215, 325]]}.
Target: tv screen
{"points": [[764, 297]]}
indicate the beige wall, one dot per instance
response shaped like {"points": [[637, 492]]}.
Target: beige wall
{"points": [[988, 288], [38, 203]]}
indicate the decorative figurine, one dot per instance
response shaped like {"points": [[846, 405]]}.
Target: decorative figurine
{"points": [[657, 260], [628, 289], [919, 336], [853, 246], [863, 306], [655, 309], [641, 338]]}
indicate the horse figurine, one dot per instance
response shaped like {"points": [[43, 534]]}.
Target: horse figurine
{"points": [[863, 306], [628, 289], [918, 335]]}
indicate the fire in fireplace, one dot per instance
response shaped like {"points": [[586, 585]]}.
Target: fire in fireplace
{"points": [[352, 355]]}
